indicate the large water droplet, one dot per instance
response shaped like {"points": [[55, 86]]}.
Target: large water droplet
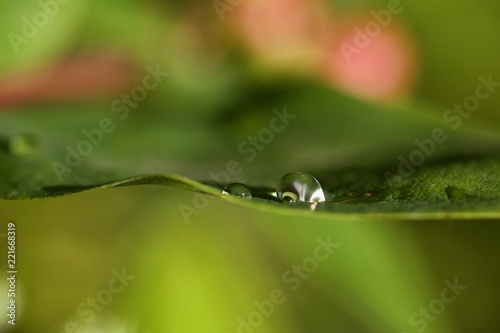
{"points": [[238, 190], [299, 186]]}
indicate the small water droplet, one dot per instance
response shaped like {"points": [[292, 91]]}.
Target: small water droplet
{"points": [[22, 144], [299, 186], [238, 190]]}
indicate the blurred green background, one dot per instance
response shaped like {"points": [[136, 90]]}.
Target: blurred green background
{"points": [[361, 98]]}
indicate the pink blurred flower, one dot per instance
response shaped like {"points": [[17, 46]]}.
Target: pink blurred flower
{"points": [[283, 34], [379, 66], [88, 76], [302, 37]]}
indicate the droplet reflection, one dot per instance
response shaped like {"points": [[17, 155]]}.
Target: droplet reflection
{"points": [[299, 187]]}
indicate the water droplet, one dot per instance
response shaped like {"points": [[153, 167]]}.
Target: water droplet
{"points": [[299, 186], [238, 190], [22, 144]]}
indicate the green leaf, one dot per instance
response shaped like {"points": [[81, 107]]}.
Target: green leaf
{"points": [[431, 194], [58, 151]]}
